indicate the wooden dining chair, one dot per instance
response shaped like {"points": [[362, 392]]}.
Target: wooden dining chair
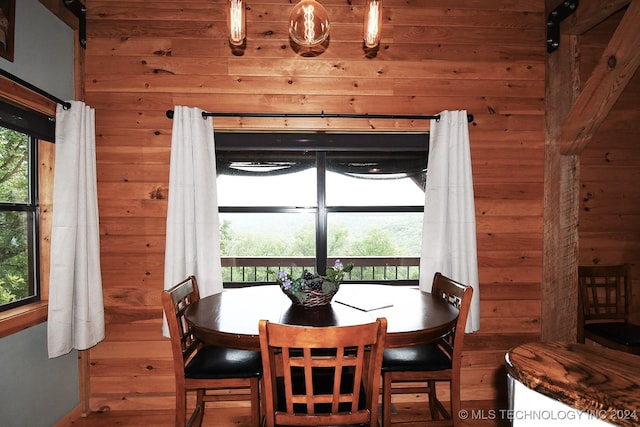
{"points": [[428, 363], [321, 376], [604, 306], [207, 370]]}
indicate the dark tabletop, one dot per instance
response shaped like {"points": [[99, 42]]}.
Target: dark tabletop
{"points": [[231, 317]]}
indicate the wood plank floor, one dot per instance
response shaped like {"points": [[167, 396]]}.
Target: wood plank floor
{"points": [[412, 414]]}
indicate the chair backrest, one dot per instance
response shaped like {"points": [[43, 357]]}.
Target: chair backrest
{"points": [[322, 375], [605, 292], [459, 296], [175, 302]]}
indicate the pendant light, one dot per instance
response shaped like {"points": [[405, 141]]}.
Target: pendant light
{"points": [[236, 22], [309, 26], [372, 23]]}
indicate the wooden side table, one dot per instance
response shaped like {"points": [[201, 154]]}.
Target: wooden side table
{"points": [[573, 384]]}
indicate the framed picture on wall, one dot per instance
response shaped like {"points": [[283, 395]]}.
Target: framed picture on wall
{"points": [[7, 28]]}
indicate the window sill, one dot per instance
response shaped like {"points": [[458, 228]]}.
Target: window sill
{"points": [[19, 318]]}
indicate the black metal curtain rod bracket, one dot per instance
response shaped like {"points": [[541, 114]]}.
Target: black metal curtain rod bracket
{"points": [[322, 115], [35, 89], [80, 11], [557, 15]]}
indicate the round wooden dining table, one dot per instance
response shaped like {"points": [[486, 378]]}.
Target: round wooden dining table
{"points": [[230, 318]]}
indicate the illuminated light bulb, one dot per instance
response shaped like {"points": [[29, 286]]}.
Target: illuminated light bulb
{"points": [[236, 22], [372, 23], [309, 24]]}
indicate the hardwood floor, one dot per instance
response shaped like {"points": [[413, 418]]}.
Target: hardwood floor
{"points": [[410, 414]]}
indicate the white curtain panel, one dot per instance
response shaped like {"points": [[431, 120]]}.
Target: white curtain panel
{"points": [[76, 310], [193, 232], [449, 229]]}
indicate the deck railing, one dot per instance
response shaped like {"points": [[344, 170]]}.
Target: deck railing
{"points": [[264, 269]]}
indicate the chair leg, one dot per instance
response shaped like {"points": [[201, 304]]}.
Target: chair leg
{"points": [[255, 401], [181, 406], [433, 405], [456, 404], [386, 400], [200, 407], [438, 411], [196, 417]]}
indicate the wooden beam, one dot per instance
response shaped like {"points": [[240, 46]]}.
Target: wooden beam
{"points": [[617, 66], [559, 286], [590, 13]]}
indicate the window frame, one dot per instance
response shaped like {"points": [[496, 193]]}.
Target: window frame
{"points": [[19, 318], [33, 210], [321, 143]]}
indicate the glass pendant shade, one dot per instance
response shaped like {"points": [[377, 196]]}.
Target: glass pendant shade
{"points": [[309, 24], [372, 23], [236, 22]]}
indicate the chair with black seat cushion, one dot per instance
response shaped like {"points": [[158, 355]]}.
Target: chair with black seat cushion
{"points": [[321, 376], [206, 369], [428, 363], [604, 306]]}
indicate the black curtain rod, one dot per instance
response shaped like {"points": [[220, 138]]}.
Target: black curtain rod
{"points": [[35, 89], [322, 115]]}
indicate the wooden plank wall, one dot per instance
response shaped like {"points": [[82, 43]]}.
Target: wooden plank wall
{"points": [[142, 58], [609, 216]]}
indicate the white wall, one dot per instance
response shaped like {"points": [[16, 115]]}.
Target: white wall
{"points": [[43, 50], [36, 391]]}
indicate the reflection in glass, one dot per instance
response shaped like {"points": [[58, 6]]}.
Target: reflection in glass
{"points": [[376, 179], [266, 179]]}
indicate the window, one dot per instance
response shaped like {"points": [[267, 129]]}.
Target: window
{"points": [[19, 211], [301, 201]]}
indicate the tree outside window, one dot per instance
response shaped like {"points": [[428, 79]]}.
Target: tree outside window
{"points": [[17, 219], [301, 209]]}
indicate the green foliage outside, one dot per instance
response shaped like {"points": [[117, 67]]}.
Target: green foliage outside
{"points": [[343, 241], [14, 188]]}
